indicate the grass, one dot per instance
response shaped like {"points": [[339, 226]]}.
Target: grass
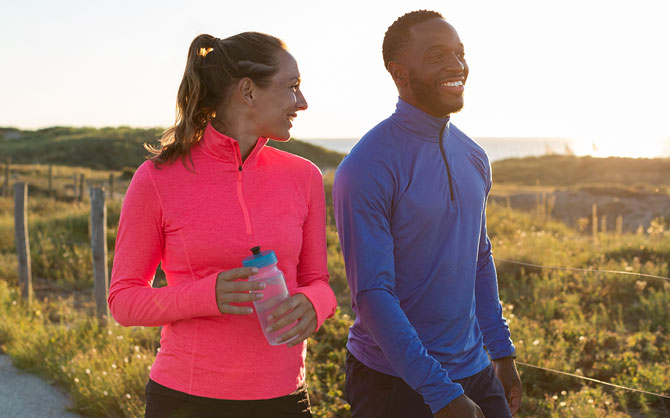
{"points": [[609, 327], [113, 148], [561, 170]]}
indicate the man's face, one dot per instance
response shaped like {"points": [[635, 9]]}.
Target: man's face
{"points": [[435, 60]]}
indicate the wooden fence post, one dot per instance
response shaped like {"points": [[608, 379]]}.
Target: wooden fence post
{"points": [[594, 223], [82, 182], [619, 225], [99, 251], [22, 241], [5, 188], [74, 187], [51, 180], [111, 186]]}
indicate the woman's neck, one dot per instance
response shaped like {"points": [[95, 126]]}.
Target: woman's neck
{"points": [[245, 139]]}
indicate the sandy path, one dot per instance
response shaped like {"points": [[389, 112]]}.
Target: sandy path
{"points": [[26, 395]]}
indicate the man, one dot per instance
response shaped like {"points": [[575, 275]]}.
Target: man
{"points": [[410, 204]]}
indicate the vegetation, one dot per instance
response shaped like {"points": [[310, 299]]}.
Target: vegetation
{"points": [[113, 148], [605, 326], [563, 170]]}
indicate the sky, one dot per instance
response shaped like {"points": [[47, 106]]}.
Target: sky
{"points": [[596, 72]]}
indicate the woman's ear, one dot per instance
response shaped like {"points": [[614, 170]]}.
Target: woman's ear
{"points": [[247, 90]]}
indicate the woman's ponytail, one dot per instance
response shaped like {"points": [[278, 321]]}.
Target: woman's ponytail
{"points": [[212, 66]]}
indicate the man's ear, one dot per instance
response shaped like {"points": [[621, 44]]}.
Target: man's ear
{"points": [[399, 73], [247, 90]]}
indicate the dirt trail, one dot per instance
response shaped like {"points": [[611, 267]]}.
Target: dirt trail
{"points": [[26, 395]]}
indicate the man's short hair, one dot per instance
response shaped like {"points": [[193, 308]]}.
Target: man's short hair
{"points": [[397, 36]]}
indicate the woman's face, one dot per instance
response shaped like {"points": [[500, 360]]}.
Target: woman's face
{"points": [[279, 102]]}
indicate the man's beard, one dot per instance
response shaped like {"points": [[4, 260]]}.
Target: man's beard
{"points": [[429, 96]]}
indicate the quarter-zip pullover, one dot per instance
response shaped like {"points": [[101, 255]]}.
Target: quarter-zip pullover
{"points": [[203, 220], [410, 207]]}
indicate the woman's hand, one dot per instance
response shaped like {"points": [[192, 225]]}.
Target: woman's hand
{"points": [[296, 308], [229, 290]]}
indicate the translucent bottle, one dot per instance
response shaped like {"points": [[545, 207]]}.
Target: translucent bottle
{"points": [[275, 291]]}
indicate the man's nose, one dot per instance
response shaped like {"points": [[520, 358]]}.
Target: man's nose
{"points": [[455, 64]]}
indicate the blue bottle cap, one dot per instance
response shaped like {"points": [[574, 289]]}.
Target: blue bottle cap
{"points": [[260, 259]]}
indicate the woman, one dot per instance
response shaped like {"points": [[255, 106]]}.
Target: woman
{"points": [[211, 192]]}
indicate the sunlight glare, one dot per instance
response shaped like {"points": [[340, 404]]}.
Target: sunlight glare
{"points": [[619, 145]]}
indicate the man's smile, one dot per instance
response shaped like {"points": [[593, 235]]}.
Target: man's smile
{"points": [[453, 85]]}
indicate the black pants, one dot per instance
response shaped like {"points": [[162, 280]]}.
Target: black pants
{"points": [[372, 394], [163, 402]]}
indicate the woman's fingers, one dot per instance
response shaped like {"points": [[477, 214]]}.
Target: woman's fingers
{"points": [[239, 286], [235, 310], [239, 297], [307, 327], [297, 308], [286, 306], [237, 273], [229, 289]]}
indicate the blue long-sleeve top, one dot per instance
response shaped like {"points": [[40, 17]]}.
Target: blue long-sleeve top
{"points": [[411, 217]]}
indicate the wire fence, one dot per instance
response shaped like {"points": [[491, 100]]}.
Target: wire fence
{"points": [[590, 379], [588, 270], [629, 273]]}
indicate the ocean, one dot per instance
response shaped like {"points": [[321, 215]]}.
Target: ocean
{"points": [[496, 148]]}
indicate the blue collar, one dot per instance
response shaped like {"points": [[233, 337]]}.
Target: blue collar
{"points": [[418, 122]]}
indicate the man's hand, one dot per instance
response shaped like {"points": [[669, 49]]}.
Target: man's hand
{"points": [[506, 372], [461, 407], [296, 308]]}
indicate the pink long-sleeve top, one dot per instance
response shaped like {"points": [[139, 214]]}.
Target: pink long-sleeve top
{"points": [[197, 224]]}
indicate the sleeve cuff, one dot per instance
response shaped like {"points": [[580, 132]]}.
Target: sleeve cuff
{"points": [[502, 352], [447, 398], [199, 299], [512, 356]]}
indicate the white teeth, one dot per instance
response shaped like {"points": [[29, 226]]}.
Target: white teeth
{"points": [[453, 83]]}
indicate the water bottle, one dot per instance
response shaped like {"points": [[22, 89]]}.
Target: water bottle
{"points": [[275, 291]]}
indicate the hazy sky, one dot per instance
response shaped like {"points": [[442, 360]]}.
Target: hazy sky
{"points": [[595, 71]]}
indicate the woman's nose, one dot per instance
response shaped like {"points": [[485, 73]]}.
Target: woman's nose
{"points": [[300, 103]]}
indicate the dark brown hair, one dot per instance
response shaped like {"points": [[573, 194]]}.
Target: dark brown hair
{"points": [[398, 36], [213, 66]]}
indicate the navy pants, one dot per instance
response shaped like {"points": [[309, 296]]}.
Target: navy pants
{"points": [[372, 394], [163, 402]]}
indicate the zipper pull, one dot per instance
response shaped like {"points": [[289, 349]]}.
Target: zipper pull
{"points": [[239, 168]]}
